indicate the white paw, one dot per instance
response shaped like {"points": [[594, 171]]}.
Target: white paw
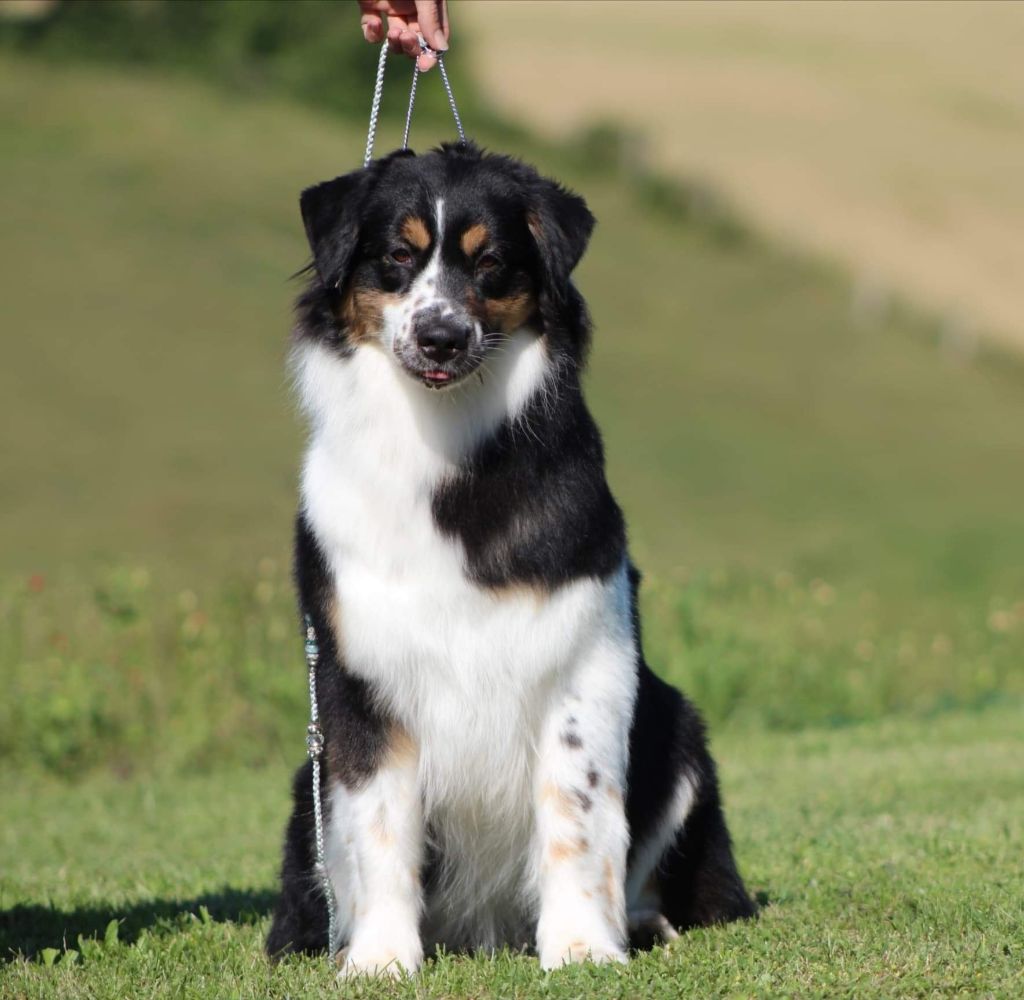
{"points": [[378, 950], [383, 963], [556, 954]]}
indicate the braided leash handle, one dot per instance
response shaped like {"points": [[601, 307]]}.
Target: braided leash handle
{"points": [[378, 90]]}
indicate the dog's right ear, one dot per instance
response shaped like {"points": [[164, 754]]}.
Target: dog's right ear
{"points": [[330, 213]]}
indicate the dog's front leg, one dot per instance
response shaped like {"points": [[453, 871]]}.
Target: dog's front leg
{"points": [[374, 858], [582, 834]]}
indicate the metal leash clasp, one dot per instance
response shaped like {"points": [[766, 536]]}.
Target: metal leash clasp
{"points": [[378, 90]]}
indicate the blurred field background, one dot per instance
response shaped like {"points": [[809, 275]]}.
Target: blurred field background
{"points": [[886, 136], [821, 460]]}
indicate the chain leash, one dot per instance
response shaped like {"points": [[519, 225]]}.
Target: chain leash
{"points": [[315, 750], [378, 90]]}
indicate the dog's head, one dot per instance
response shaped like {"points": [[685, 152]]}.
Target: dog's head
{"points": [[437, 259]]}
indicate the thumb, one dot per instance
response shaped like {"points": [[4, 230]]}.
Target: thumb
{"points": [[432, 16]]}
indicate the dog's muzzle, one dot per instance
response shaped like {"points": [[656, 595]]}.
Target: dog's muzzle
{"points": [[443, 347]]}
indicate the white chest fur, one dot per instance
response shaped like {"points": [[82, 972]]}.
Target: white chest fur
{"points": [[467, 672]]}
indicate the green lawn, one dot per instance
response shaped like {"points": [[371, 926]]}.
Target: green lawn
{"points": [[830, 512], [888, 855]]}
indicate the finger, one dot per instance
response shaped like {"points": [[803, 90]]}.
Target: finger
{"points": [[425, 61], [373, 28], [396, 26], [410, 43], [432, 16]]}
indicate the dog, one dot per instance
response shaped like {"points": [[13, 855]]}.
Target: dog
{"points": [[501, 767]]}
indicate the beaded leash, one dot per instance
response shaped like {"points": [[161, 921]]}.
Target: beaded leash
{"points": [[315, 750], [314, 732]]}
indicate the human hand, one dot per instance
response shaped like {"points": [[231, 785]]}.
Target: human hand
{"points": [[406, 18]]}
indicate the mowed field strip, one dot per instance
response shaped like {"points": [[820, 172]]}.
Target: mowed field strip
{"points": [[889, 137]]}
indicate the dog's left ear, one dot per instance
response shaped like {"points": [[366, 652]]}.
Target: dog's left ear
{"points": [[561, 224], [330, 213]]}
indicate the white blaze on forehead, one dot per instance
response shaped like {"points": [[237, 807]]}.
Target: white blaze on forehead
{"points": [[426, 282], [424, 293]]}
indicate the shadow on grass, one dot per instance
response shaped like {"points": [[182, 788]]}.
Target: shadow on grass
{"points": [[25, 930]]}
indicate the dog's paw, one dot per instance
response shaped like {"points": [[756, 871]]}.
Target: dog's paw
{"points": [[556, 954], [383, 963], [648, 928], [381, 952]]}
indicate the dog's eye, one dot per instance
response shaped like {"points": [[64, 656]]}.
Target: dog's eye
{"points": [[401, 256], [488, 262]]}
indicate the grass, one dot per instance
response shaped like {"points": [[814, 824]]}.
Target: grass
{"points": [[888, 856], [828, 509]]}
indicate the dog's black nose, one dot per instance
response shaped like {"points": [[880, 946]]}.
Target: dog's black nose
{"points": [[442, 338]]}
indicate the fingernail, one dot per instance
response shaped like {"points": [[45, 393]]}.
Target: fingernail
{"points": [[440, 43], [366, 33]]}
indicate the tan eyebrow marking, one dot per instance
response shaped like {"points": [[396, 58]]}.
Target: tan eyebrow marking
{"points": [[473, 238], [414, 229]]}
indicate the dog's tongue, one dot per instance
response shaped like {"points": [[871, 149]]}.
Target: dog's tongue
{"points": [[437, 376]]}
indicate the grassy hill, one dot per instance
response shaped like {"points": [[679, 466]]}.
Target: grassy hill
{"points": [[828, 510], [753, 417]]}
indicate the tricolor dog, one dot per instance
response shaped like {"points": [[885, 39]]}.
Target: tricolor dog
{"points": [[501, 766]]}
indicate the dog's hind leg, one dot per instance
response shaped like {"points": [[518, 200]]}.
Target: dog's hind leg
{"points": [[300, 917], [694, 883], [697, 879], [681, 863]]}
